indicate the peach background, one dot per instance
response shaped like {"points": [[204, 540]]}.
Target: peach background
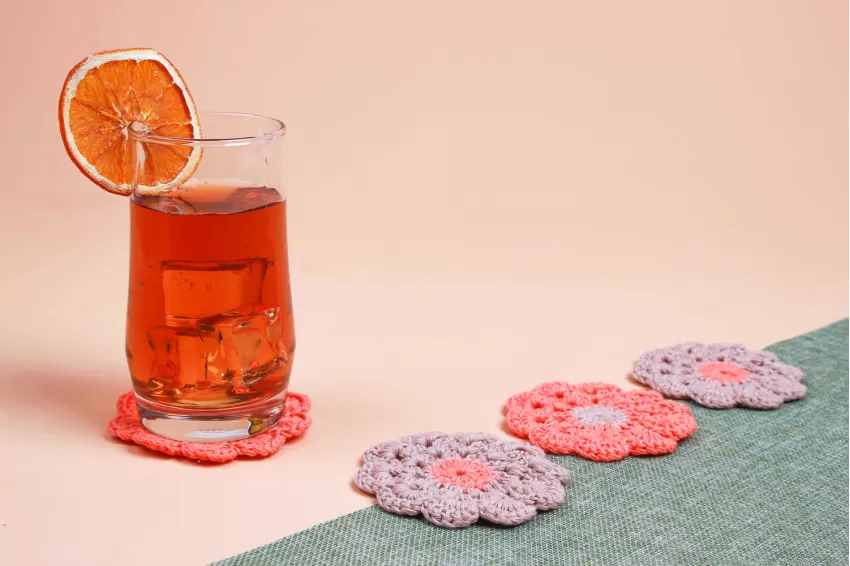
{"points": [[483, 196]]}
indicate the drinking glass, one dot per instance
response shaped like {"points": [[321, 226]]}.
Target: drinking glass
{"points": [[210, 335]]}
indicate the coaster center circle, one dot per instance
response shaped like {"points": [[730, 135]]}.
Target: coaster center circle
{"points": [[599, 415], [468, 474], [724, 372]]}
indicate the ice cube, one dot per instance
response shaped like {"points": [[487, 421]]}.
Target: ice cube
{"points": [[179, 358], [251, 198], [197, 289], [242, 345], [167, 203]]}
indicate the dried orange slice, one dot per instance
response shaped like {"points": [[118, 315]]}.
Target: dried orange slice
{"points": [[106, 93]]}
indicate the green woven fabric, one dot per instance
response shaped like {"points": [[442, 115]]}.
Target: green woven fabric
{"points": [[749, 487]]}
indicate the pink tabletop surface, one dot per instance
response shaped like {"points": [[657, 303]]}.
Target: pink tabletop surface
{"points": [[483, 196]]}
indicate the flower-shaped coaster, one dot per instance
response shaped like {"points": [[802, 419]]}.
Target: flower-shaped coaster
{"points": [[720, 376], [455, 479], [598, 421], [127, 426]]}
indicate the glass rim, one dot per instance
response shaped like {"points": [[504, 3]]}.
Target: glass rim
{"points": [[277, 130]]}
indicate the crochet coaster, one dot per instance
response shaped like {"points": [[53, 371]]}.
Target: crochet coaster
{"points": [[598, 421], [720, 376], [452, 480], [127, 426]]}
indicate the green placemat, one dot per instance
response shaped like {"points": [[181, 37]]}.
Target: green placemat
{"points": [[749, 487]]}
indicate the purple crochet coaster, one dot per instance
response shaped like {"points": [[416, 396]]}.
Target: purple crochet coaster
{"points": [[452, 480], [720, 376]]}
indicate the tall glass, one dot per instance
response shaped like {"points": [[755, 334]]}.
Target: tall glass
{"points": [[210, 336]]}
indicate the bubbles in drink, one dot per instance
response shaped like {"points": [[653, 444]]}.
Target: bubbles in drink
{"points": [[195, 289]]}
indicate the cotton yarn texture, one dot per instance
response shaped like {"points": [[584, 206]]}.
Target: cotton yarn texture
{"points": [[598, 421], [720, 376], [453, 480], [127, 426]]}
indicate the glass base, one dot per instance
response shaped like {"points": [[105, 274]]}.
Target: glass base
{"points": [[211, 425]]}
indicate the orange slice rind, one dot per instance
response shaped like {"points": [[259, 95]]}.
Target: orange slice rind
{"points": [[108, 92]]}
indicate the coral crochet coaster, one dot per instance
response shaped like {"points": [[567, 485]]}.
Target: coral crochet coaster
{"points": [[720, 376], [452, 480], [598, 421], [127, 426]]}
